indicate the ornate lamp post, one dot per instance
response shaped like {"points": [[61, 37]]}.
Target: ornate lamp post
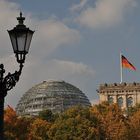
{"points": [[21, 38]]}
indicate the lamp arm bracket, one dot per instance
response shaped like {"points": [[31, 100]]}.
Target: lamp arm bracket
{"points": [[11, 79]]}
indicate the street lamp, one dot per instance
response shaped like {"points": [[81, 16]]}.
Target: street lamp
{"points": [[20, 38]]}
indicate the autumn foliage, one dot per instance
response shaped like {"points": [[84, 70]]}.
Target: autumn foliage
{"points": [[99, 122]]}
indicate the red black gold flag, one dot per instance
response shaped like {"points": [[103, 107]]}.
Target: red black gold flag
{"points": [[126, 63]]}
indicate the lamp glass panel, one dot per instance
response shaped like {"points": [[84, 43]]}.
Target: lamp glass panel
{"points": [[28, 41], [13, 40], [21, 40]]}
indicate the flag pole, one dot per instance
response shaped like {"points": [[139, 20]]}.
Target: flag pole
{"points": [[121, 71]]}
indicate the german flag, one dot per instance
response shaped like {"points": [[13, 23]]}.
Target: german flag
{"points": [[127, 64]]}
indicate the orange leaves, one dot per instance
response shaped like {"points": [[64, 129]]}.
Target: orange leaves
{"points": [[15, 128], [111, 121], [134, 126], [38, 130], [9, 115], [101, 121]]}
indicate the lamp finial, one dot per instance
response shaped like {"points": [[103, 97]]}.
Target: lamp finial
{"points": [[20, 19]]}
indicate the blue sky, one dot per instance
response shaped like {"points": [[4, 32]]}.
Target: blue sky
{"points": [[77, 41]]}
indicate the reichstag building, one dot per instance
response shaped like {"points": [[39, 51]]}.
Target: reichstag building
{"points": [[124, 94], [56, 96]]}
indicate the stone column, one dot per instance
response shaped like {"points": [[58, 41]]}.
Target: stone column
{"points": [[115, 98], [134, 99], [125, 101]]}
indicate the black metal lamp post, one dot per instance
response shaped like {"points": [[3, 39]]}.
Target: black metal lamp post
{"points": [[21, 38]]}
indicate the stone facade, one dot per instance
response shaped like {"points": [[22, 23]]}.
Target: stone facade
{"points": [[125, 94]]}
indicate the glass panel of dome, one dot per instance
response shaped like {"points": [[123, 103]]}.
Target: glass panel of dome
{"points": [[55, 95]]}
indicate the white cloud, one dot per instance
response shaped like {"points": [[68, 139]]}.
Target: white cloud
{"points": [[55, 69], [79, 6], [9, 62], [36, 71], [49, 35], [68, 68], [52, 34], [8, 13], [105, 13]]}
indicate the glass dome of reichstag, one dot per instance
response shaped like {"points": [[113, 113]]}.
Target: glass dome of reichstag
{"points": [[54, 95]]}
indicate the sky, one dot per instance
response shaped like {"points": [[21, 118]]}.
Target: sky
{"points": [[77, 41]]}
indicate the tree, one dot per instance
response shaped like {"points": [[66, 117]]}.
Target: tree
{"points": [[47, 115], [75, 124], [10, 119], [22, 127], [133, 131], [112, 123], [99, 122], [39, 130], [16, 128]]}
